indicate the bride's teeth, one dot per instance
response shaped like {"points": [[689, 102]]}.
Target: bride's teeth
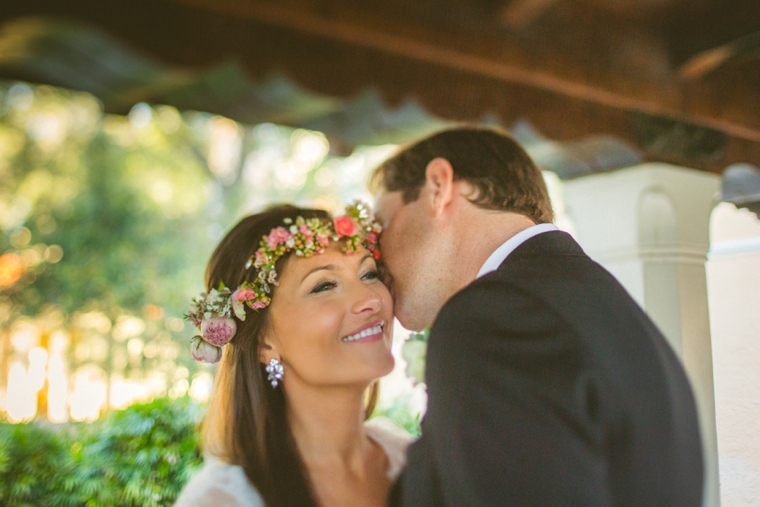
{"points": [[363, 334]]}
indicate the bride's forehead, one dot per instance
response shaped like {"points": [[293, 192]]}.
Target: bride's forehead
{"points": [[333, 254]]}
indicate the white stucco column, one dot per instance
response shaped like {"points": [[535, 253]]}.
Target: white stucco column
{"points": [[649, 226]]}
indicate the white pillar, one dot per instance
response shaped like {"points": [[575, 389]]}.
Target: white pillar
{"points": [[649, 226]]}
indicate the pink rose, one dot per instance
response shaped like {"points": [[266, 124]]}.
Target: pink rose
{"points": [[371, 238], [204, 352], [218, 331], [258, 305], [344, 226]]}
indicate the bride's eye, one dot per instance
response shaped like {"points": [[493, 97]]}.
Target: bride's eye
{"points": [[371, 275], [322, 287]]}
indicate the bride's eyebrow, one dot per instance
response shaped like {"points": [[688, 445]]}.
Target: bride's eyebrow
{"points": [[331, 267], [325, 267]]}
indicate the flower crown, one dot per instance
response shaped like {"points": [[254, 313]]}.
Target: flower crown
{"points": [[212, 313]]}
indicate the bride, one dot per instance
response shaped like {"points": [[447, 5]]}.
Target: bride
{"points": [[302, 325]]}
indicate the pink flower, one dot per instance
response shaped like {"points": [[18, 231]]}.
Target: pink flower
{"points": [[277, 236], [238, 298], [244, 294], [258, 305], [217, 330], [344, 226], [305, 230], [371, 238], [261, 256], [204, 352]]}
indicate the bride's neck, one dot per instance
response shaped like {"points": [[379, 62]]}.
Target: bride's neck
{"points": [[327, 424]]}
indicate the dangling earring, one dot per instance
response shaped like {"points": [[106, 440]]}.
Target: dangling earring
{"points": [[275, 370]]}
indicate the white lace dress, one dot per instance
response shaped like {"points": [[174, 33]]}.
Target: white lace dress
{"points": [[219, 484]]}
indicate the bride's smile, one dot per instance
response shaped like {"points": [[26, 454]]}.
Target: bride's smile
{"points": [[369, 333], [331, 320]]}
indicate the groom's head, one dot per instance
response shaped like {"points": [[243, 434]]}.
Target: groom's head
{"points": [[439, 196]]}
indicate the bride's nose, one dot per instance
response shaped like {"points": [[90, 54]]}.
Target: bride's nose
{"points": [[367, 300]]}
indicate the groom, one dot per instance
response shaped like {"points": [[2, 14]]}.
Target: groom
{"points": [[547, 384]]}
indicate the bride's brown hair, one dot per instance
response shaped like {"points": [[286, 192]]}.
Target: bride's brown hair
{"points": [[246, 423]]}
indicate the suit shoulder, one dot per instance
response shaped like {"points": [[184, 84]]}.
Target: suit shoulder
{"points": [[494, 312]]}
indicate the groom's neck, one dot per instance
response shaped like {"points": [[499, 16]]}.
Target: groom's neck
{"points": [[480, 232]]}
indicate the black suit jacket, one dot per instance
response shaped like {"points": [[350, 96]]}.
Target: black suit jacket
{"points": [[549, 386]]}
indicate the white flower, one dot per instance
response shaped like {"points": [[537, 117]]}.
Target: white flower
{"points": [[204, 352], [291, 242], [237, 305], [293, 229]]}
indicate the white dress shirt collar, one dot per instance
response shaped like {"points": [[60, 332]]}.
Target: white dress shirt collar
{"points": [[497, 257]]}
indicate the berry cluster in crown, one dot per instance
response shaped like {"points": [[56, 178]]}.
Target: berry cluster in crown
{"points": [[212, 313]]}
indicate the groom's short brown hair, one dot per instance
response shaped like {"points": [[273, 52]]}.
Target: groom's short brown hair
{"points": [[504, 176]]}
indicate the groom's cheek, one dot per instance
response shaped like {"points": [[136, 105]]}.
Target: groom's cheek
{"points": [[385, 275]]}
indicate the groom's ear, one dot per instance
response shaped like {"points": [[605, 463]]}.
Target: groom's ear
{"points": [[439, 180]]}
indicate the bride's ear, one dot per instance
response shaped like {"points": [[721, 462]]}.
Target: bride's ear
{"points": [[267, 349]]}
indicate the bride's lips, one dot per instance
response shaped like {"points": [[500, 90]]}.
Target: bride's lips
{"points": [[371, 332]]}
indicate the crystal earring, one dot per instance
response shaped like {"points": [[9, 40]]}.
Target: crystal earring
{"points": [[275, 370]]}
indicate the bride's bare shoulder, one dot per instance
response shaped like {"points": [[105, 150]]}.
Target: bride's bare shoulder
{"points": [[219, 484]]}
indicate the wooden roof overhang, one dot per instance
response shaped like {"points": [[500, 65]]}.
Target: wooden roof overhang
{"points": [[677, 79]]}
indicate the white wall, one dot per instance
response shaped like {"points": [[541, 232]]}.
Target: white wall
{"points": [[733, 278], [649, 226]]}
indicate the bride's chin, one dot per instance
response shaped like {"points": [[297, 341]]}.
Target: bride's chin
{"points": [[391, 362], [382, 368]]}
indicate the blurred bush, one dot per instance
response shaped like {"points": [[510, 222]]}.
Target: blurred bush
{"points": [[140, 456], [400, 412]]}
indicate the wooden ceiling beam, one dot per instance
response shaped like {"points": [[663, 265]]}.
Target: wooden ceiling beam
{"points": [[519, 14], [316, 24], [571, 74], [711, 60]]}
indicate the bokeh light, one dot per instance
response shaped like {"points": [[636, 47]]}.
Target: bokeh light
{"points": [[106, 222]]}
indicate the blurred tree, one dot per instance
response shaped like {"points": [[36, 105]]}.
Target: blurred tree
{"points": [[107, 221], [123, 204]]}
